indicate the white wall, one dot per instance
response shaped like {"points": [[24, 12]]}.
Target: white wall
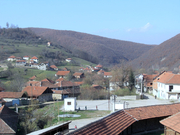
{"points": [[70, 104]]}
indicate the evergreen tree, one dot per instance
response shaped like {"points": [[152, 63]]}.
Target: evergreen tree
{"points": [[131, 80]]}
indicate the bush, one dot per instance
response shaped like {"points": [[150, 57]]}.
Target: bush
{"points": [[124, 92]]}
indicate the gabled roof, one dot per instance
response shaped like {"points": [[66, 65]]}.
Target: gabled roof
{"points": [[60, 79], [99, 66], [12, 56], [34, 57], [8, 121], [168, 78], [11, 94], [107, 74], [35, 91], [33, 78], [26, 56], [48, 84], [62, 73], [66, 84], [53, 66], [33, 83], [101, 71], [118, 121], [172, 122], [79, 83], [77, 74], [47, 80], [20, 61]]}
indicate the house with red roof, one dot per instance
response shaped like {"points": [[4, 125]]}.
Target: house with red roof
{"points": [[20, 63], [107, 75], [26, 57], [33, 78], [172, 124], [53, 67], [78, 75], [167, 86], [41, 93], [11, 58], [68, 59], [8, 121], [99, 66], [34, 59], [62, 74]]}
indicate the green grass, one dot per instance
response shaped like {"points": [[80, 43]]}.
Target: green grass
{"points": [[53, 111]]}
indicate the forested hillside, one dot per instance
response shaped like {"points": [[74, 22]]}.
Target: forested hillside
{"points": [[105, 50], [165, 55]]}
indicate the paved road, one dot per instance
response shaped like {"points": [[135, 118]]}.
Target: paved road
{"points": [[104, 105]]}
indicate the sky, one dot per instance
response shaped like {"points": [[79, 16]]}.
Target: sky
{"points": [[142, 21]]}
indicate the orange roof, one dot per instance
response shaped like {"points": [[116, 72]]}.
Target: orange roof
{"points": [[10, 94], [99, 66], [26, 56], [32, 78], [62, 73], [77, 74], [53, 66], [107, 73], [101, 71], [60, 79], [34, 57], [117, 122], [34, 91], [66, 84], [47, 80], [168, 78], [172, 122], [79, 83], [12, 56]]}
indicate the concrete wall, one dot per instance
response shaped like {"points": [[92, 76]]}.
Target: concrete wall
{"points": [[70, 104]]}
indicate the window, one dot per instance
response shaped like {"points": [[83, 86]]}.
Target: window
{"points": [[68, 103], [170, 88]]}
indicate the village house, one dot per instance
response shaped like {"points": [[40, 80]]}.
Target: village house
{"points": [[148, 82], [41, 66], [11, 58], [20, 63], [43, 94], [33, 78], [8, 121], [53, 67], [62, 74], [167, 86], [107, 75], [98, 67], [78, 75], [26, 58], [68, 60], [139, 120], [172, 124], [34, 59]]}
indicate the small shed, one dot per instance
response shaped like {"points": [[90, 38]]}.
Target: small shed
{"points": [[70, 104]]}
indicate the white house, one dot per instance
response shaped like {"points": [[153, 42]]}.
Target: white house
{"points": [[167, 86], [34, 59], [26, 58], [11, 58], [68, 60], [42, 66], [70, 104]]}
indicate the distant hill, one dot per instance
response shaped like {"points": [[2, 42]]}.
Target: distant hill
{"points": [[166, 55], [106, 50]]}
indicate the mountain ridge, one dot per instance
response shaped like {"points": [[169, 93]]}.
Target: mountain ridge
{"points": [[107, 50]]}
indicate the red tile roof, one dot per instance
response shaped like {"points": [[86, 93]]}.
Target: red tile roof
{"points": [[60, 79], [34, 57], [10, 94], [53, 66], [33, 78], [12, 56], [66, 84], [107, 73], [99, 66], [33, 83], [47, 80], [77, 74], [34, 91], [62, 73], [116, 122], [79, 83], [172, 122], [60, 92]]}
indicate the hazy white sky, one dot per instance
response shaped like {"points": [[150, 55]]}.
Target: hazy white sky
{"points": [[143, 21]]}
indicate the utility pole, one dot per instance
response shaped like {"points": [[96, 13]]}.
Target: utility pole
{"points": [[114, 100]]}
